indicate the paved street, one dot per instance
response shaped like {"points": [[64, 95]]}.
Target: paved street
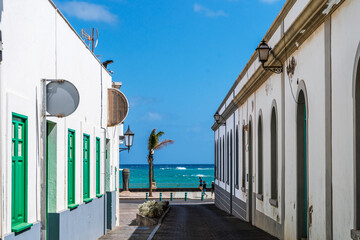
{"points": [[128, 228], [205, 221]]}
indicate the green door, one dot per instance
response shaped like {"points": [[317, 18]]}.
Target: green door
{"points": [[19, 176], [86, 167], [98, 166], [71, 167]]}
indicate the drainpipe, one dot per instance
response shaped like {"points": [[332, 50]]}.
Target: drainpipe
{"points": [[104, 129]]}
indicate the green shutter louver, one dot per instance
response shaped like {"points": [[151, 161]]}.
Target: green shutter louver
{"points": [[86, 168], [98, 167], [71, 168], [19, 171]]}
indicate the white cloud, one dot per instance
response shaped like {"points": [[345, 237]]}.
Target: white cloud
{"points": [[208, 12], [152, 116], [88, 11]]}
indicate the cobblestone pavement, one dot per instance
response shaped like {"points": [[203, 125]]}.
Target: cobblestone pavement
{"points": [[205, 221], [128, 228]]}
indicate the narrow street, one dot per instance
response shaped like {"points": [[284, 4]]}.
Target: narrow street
{"points": [[205, 221]]}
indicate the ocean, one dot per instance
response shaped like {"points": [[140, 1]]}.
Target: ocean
{"points": [[169, 175]]}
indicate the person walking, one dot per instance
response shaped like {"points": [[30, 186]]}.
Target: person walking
{"points": [[201, 184], [212, 189], [204, 189]]}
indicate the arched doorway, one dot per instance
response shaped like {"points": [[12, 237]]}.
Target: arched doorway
{"points": [[302, 167], [357, 147]]}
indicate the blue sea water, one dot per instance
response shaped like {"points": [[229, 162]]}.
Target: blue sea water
{"points": [[169, 175]]}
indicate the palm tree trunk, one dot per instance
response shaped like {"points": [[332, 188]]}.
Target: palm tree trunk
{"points": [[150, 179], [150, 160]]}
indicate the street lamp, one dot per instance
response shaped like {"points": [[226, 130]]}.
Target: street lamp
{"points": [[218, 118], [263, 53], [129, 139]]}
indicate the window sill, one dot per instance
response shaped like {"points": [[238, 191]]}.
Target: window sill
{"points": [[273, 202], [260, 196], [20, 227], [99, 195], [355, 234], [237, 187], [243, 189], [87, 200], [72, 206]]}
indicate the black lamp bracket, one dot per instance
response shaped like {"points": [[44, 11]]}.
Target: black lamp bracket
{"points": [[274, 69]]}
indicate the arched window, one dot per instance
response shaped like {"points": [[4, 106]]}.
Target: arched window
{"points": [[237, 157], [215, 159], [227, 158], [274, 173], [260, 158], [223, 169], [231, 151], [218, 158], [243, 159]]}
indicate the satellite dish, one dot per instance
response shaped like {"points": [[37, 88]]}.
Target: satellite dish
{"points": [[62, 98]]}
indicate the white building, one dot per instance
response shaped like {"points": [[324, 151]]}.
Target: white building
{"points": [[287, 148], [82, 152]]}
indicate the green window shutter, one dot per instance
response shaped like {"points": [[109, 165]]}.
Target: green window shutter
{"points": [[97, 166], [86, 166], [71, 167], [115, 178], [19, 170]]}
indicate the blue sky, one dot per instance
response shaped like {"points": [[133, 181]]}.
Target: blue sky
{"points": [[177, 59]]}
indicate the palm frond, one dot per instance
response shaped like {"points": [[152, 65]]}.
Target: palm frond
{"points": [[163, 144], [159, 134], [153, 140]]}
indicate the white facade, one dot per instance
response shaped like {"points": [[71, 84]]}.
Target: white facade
{"points": [[39, 43], [326, 48]]}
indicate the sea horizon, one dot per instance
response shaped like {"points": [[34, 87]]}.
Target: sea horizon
{"points": [[169, 175]]}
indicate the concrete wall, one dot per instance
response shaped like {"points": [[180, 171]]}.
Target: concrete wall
{"points": [[83, 222]]}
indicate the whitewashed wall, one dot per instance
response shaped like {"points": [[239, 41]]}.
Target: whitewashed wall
{"points": [[345, 40], [39, 43]]}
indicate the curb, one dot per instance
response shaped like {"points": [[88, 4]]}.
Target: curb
{"points": [[158, 226]]}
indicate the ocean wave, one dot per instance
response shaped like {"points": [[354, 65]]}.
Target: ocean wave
{"points": [[180, 168], [200, 175], [121, 169], [205, 169], [164, 168]]}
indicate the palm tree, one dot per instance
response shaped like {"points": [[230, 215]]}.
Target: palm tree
{"points": [[154, 144]]}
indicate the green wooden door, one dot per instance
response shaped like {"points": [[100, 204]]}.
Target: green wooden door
{"points": [[97, 166], [71, 167], [19, 176], [86, 166]]}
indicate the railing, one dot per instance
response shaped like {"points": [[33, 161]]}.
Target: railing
{"points": [[165, 185]]}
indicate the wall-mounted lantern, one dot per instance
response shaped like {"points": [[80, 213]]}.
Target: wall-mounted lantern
{"points": [[129, 139], [264, 52], [218, 118]]}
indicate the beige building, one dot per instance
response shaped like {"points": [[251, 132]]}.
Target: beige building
{"points": [[287, 139]]}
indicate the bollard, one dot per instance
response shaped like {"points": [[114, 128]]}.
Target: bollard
{"points": [[186, 196], [171, 196], [147, 196], [160, 196], [202, 197], [126, 177]]}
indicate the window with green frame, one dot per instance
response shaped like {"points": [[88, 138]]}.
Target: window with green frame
{"points": [[19, 176], [86, 168], [71, 169], [98, 167]]}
